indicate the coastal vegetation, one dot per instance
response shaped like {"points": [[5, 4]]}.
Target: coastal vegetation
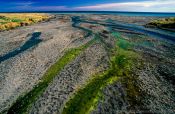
{"points": [[13, 20], [166, 23]]}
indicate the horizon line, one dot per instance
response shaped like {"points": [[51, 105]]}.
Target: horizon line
{"points": [[80, 11]]}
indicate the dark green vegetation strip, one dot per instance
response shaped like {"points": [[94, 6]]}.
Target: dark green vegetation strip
{"points": [[122, 62], [23, 103]]}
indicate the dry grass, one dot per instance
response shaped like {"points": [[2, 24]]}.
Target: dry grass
{"points": [[13, 20]]}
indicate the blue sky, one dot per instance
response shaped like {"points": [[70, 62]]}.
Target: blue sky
{"points": [[88, 5]]}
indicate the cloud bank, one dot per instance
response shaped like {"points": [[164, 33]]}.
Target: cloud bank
{"points": [[153, 5]]}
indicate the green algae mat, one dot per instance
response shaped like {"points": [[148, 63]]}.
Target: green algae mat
{"points": [[22, 105], [85, 100]]}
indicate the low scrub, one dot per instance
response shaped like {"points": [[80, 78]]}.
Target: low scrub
{"points": [[13, 20], [168, 23]]}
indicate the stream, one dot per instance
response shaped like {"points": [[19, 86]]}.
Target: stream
{"points": [[155, 33]]}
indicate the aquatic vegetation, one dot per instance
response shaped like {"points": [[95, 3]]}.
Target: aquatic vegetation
{"points": [[9, 21], [23, 103], [87, 97], [121, 42]]}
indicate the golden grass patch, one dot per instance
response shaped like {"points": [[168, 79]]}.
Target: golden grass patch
{"points": [[12, 20]]}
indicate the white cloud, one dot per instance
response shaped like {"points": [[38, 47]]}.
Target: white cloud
{"points": [[49, 8], [153, 5], [23, 3], [40, 8]]}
